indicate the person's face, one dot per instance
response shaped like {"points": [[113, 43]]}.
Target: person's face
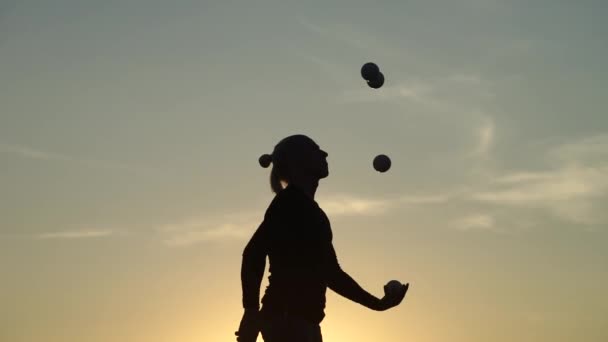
{"points": [[317, 161], [307, 160]]}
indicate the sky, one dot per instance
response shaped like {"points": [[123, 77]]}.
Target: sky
{"points": [[130, 132]]}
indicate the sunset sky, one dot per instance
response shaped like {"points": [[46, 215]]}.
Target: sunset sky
{"points": [[129, 183]]}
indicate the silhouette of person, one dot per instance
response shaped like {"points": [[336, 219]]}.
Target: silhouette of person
{"points": [[296, 236]]}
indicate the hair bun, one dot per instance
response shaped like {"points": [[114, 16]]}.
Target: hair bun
{"points": [[265, 160]]}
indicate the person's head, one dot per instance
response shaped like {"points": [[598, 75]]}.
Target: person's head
{"points": [[296, 157]]}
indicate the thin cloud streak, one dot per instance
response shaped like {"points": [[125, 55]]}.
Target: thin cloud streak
{"points": [[480, 222], [194, 230], [78, 234], [241, 225], [36, 154], [350, 36], [353, 205], [462, 93], [413, 91], [589, 150], [425, 199], [220, 233], [348, 205]]}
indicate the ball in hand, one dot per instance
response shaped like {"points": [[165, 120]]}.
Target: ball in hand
{"points": [[394, 286]]}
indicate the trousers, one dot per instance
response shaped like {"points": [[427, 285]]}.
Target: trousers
{"points": [[285, 328]]}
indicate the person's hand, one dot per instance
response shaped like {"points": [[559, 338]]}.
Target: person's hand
{"points": [[249, 327], [393, 298]]}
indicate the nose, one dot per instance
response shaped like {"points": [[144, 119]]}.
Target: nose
{"points": [[325, 154]]}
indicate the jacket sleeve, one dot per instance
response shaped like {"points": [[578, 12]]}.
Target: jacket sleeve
{"points": [[253, 265], [341, 283]]}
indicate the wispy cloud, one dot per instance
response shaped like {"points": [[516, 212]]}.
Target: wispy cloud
{"points": [[481, 222], [354, 205], [414, 91], [457, 92], [567, 191], [425, 199], [485, 138], [568, 183], [350, 36], [28, 152], [526, 176], [570, 190], [588, 150], [215, 228], [347, 205], [37, 154], [332, 70], [346, 37], [76, 234], [222, 232], [241, 225]]}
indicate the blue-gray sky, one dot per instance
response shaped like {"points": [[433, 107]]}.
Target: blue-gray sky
{"points": [[130, 132]]}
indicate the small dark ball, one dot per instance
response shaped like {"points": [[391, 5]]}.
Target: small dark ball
{"points": [[265, 160], [377, 82], [382, 163], [369, 71]]}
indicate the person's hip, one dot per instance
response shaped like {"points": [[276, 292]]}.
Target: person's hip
{"points": [[284, 327]]}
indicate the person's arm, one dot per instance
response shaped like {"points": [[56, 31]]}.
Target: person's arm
{"points": [[341, 283], [252, 272], [252, 267]]}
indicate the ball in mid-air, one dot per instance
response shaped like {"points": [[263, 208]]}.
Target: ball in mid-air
{"points": [[369, 71], [382, 163], [376, 82]]}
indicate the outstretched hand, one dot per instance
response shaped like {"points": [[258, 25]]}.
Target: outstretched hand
{"points": [[249, 327], [393, 298]]}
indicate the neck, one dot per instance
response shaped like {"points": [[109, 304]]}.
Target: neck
{"points": [[308, 186]]}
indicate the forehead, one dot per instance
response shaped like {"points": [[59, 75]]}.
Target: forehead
{"points": [[317, 147], [311, 143], [312, 146]]}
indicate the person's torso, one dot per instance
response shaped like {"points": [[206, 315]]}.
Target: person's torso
{"points": [[297, 249]]}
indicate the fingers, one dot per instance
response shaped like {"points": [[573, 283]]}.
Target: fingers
{"points": [[393, 298]]}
